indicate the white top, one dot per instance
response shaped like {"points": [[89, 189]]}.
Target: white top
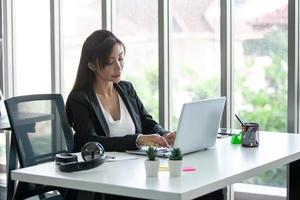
{"points": [[123, 126], [216, 167]]}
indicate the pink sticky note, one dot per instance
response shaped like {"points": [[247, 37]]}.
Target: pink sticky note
{"points": [[189, 169]]}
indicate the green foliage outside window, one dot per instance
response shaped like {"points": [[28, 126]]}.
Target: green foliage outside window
{"points": [[146, 86], [269, 105]]}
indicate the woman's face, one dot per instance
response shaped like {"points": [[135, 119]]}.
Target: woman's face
{"points": [[112, 71]]}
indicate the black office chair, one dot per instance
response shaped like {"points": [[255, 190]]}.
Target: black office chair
{"points": [[39, 131]]}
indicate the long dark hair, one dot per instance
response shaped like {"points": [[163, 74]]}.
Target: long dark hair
{"points": [[96, 49]]}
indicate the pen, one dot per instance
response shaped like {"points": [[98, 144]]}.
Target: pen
{"points": [[239, 119]]}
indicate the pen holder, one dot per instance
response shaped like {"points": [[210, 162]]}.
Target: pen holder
{"points": [[250, 134]]}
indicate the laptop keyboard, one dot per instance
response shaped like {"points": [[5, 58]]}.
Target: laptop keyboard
{"points": [[161, 151]]}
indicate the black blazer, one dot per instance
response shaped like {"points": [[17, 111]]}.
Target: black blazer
{"points": [[86, 117]]}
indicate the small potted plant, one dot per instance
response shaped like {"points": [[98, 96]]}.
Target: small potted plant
{"points": [[175, 162], [152, 163]]}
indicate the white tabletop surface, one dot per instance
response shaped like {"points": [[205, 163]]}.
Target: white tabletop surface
{"points": [[216, 167]]}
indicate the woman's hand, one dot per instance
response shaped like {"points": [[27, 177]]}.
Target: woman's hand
{"points": [[152, 139], [170, 137]]}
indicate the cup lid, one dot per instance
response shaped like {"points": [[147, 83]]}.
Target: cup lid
{"points": [[250, 124]]}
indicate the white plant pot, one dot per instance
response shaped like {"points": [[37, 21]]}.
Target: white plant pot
{"points": [[175, 167], [152, 167]]}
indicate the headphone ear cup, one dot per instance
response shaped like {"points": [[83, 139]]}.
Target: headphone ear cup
{"points": [[65, 158], [92, 150]]}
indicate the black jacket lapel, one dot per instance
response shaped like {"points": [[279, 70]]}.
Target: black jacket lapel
{"points": [[129, 107], [98, 112]]}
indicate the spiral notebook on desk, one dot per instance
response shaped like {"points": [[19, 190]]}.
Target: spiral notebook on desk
{"points": [[197, 128]]}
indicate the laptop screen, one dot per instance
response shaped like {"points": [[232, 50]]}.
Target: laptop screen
{"points": [[198, 124]]}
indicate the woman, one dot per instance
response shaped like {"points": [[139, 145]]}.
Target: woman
{"points": [[105, 109]]}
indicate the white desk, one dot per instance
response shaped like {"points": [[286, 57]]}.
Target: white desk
{"points": [[217, 167]]}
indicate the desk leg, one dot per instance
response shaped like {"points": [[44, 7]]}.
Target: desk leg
{"points": [[11, 165], [293, 181]]}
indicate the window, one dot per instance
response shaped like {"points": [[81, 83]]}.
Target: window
{"points": [[136, 24], [2, 158], [32, 46], [79, 20], [195, 42], [260, 70]]}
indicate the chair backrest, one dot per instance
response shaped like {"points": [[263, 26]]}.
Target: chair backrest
{"points": [[39, 127]]}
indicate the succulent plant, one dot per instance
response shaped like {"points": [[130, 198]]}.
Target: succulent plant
{"points": [[151, 153], [175, 154]]}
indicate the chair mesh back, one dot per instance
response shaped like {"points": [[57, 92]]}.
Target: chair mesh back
{"points": [[38, 130]]}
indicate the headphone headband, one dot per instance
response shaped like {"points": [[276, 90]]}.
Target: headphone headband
{"points": [[92, 154], [79, 166]]}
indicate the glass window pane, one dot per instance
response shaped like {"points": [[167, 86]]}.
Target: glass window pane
{"points": [[260, 70], [32, 45], [195, 41], [79, 20], [136, 24], [2, 158]]}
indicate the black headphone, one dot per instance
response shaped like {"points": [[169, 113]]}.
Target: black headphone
{"points": [[92, 154]]}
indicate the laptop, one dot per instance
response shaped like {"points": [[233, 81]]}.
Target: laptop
{"points": [[197, 128]]}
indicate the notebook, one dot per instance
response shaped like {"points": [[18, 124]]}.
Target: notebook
{"points": [[197, 128]]}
